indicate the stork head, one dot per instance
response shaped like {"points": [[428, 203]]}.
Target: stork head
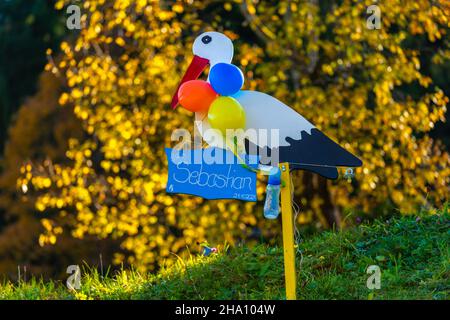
{"points": [[209, 48]]}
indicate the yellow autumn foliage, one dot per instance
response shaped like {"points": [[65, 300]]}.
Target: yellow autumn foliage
{"points": [[122, 68]]}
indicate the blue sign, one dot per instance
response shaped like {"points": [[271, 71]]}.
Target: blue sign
{"points": [[211, 173]]}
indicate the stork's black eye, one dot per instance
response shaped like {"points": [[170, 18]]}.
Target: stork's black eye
{"points": [[206, 39]]}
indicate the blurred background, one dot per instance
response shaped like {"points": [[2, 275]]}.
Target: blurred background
{"points": [[85, 90]]}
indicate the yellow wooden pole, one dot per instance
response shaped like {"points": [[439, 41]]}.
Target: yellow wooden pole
{"points": [[288, 233]]}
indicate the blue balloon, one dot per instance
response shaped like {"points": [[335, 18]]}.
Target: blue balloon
{"points": [[226, 79]]}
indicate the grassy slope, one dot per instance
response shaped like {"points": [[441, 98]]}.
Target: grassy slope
{"points": [[413, 256]]}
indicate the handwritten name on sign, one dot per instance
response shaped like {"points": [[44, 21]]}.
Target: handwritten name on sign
{"points": [[211, 173]]}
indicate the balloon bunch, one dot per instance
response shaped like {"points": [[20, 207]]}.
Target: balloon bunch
{"points": [[215, 97]]}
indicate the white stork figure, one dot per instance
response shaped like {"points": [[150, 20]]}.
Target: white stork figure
{"points": [[300, 143]]}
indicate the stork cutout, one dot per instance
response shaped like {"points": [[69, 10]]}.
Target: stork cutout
{"points": [[299, 142], [299, 145]]}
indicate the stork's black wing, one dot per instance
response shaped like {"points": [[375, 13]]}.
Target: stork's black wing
{"points": [[314, 152]]}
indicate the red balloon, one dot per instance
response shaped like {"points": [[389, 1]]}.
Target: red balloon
{"points": [[196, 95]]}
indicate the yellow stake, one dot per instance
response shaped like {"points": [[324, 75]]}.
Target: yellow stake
{"points": [[288, 233]]}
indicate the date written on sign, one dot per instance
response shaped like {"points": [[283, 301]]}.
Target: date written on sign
{"points": [[211, 173]]}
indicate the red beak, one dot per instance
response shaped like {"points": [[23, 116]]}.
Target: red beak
{"points": [[198, 64]]}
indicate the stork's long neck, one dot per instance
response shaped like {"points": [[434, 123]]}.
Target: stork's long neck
{"points": [[214, 61], [211, 64]]}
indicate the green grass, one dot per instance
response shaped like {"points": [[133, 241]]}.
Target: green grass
{"points": [[412, 252]]}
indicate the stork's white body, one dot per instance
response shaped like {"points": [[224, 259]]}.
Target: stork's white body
{"points": [[263, 113]]}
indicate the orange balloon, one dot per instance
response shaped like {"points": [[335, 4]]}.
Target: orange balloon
{"points": [[196, 95]]}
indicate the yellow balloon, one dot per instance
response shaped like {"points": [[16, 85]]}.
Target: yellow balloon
{"points": [[226, 113]]}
